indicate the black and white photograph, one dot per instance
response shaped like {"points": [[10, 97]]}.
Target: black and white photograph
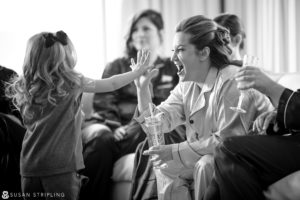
{"points": [[150, 99]]}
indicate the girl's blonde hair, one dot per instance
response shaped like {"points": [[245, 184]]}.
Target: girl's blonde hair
{"points": [[48, 72]]}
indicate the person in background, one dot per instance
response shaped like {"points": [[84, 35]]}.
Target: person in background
{"points": [[111, 132], [7, 106], [237, 34], [237, 40], [48, 95], [11, 136], [245, 166], [202, 102]]}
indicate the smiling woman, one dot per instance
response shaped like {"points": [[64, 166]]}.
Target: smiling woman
{"points": [[201, 101]]}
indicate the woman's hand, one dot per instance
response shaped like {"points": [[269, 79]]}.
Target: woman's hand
{"points": [[160, 154], [252, 77], [262, 121], [120, 133], [143, 81]]}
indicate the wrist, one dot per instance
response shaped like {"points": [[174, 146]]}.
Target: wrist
{"points": [[136, 73], [275, 92]]}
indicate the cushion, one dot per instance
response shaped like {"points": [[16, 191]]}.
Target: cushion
{"points": [[287, 188], [123, 168], [291, 81]]}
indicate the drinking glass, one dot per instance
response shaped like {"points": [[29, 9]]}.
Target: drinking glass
{"points": [[248, 60], [155, 136]]}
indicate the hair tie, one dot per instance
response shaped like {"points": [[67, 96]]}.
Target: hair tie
{"points": [[62, 37], [50, 39]]}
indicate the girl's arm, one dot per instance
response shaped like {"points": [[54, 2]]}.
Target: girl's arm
{"points": [[117, 81]]}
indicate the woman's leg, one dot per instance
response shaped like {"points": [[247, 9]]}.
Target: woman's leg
{"points": [[143, 180], [246, 165], [203, 173], [213, 191], [99, 153]]}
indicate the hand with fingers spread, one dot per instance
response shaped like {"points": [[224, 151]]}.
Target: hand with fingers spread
{"points": [[262, 122], [142, 63], [143, 82], [160, 154]]}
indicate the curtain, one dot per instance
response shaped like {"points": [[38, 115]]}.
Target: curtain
{"points": [[97, 28], [272, 27], [117, 21]]}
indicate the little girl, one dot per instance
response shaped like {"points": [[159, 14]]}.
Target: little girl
{"points": [[48, 94]]}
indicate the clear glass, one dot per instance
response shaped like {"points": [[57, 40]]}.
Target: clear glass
{"points": [[156, 138], [154, 133], [248, 60], [154, 130]]}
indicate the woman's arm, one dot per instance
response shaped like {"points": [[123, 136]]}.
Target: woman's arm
{"points": [[143, 90]]}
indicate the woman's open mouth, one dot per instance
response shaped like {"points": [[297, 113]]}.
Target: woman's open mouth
{"points": [[180, 69]]}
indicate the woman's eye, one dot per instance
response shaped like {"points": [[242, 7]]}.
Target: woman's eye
{"points": [[146, 28], [134, 30]]}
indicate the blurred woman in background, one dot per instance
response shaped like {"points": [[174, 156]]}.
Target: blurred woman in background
{"points": [[110, 133]]}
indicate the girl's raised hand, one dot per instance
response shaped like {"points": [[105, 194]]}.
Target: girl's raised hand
{"points": [[142, 62], [148, 71]]}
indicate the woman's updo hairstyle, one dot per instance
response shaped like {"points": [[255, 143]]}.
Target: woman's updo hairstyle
{"points": [[204, 32], [233, 24]]}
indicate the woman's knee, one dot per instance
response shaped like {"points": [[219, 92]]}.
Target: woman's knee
{"points": [[229, 145], [94, 132], [205, 166], [205, 161]]}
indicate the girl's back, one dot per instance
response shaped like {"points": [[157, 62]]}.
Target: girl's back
{"points": [[52, 143], [48, 94]]}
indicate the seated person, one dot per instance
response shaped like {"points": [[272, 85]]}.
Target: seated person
{"points": [[237, 34], [245, 166], [111, 133], [7, 106], [202, 102], [11, 136]]}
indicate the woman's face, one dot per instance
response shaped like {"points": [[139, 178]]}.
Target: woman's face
{"points": [[145, 35], [186, 57]]}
